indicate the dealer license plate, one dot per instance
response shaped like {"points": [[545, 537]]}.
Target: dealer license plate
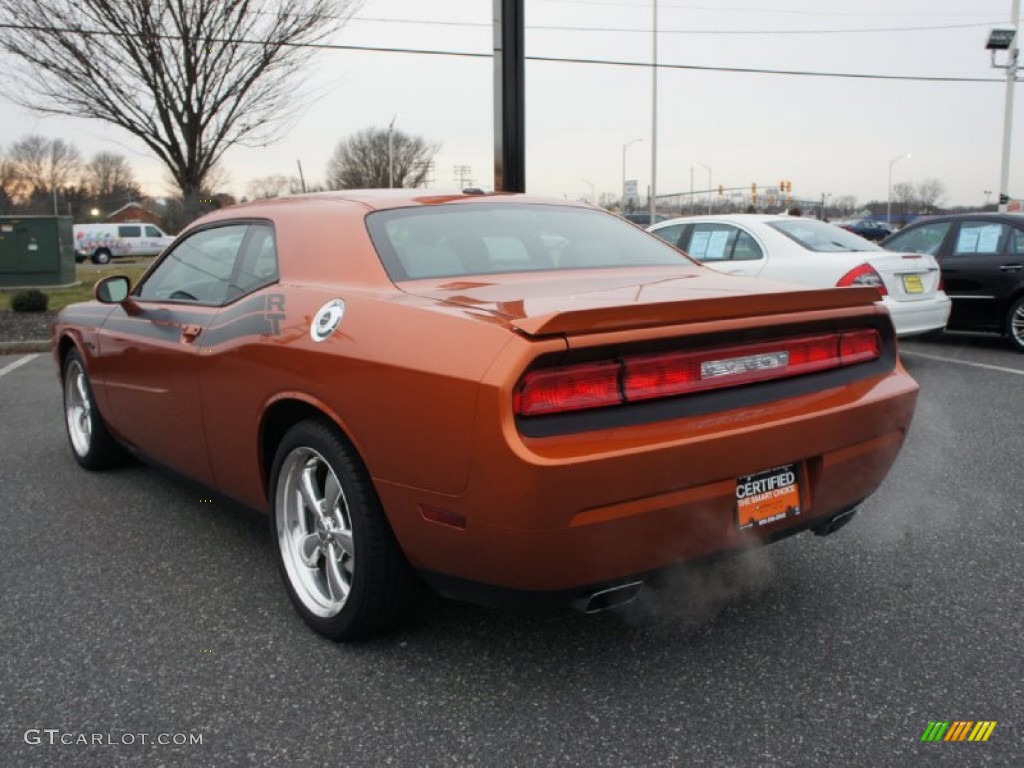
{"points": [[767, 497], [913, 284]]}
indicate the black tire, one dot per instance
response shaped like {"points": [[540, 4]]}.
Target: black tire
{"points": [[373, 587], [1015, 324], [91, 443], [101, 256]]}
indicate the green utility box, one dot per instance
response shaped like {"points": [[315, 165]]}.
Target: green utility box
{"points": [[36, 250]]}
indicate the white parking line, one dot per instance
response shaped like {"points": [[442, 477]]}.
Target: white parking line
{"points": [[16, 364], [986, 366]]}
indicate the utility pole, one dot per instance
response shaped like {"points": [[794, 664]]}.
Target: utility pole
{"points": [[462, 175], [1012, 50], [652, 197], [509, 96]]}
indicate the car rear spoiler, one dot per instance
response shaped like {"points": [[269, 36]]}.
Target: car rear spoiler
{"points": [[630, 316]]}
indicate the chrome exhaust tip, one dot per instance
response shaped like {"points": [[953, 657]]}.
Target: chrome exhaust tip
{"points": [[835, 522], [612, 597]]}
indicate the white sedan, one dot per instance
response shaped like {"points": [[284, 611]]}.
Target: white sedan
{"points": [[799, 250]]}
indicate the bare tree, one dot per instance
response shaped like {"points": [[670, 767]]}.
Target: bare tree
{"points": [[190, 78], [370, 160], [929, 193], [43, 165], [904, 198], [844, 205], [8, 184], [274, 186], [109, 179]]}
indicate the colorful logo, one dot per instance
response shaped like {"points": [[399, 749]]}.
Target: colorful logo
{"points": [[958, 730]]}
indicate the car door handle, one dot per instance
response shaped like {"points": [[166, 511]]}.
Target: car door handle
{"points": [[1011, 267], [190, 332]]}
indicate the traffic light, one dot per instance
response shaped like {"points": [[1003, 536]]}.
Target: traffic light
{"points": [[1004, 199], [753, 188], [789, 186], [782, 186], [721, 190]]}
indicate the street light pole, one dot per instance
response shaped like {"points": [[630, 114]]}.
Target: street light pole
{"points": [[691, 191], [1011, 80], [888, 206], [593, 191], [708, 169], [624, 148], [652, 203]]}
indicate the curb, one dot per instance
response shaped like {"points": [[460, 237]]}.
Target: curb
{"points": [[22, 347]]}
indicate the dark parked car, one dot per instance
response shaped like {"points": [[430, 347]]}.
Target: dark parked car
{"points": [[643, 219], [982, 261], [869, 229]]}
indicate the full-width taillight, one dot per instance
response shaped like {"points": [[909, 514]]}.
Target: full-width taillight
{"points": [[863, 274], [645, 377]]}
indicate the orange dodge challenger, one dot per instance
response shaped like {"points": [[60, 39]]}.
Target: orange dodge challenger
{"points": [[506, 397]]}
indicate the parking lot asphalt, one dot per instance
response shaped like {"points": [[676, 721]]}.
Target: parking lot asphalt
{"points": [[132, 606]]}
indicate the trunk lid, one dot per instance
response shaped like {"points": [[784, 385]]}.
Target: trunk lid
{"points": [[577, 302], [907, 276]]}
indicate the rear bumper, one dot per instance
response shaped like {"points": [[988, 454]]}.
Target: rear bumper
{"points": [[505, 597], [911, 318], [561, 514]]}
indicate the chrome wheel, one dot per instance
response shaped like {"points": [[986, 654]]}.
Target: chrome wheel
{"points": [[314, 532], [78, 408], [1015, 326]]}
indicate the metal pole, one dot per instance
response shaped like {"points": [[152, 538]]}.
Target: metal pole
{"points": [[888, 205], [708, 169], [709, 189], [652, 204], [625, 146], [1011, 79], [509, 96], [691, 190], [302, 178]]}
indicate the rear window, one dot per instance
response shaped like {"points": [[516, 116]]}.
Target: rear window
{"points": [[454, 241], [821, 237]]}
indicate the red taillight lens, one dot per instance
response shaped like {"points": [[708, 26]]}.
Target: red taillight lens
{"points": [[863, 274], [859, 346], [569, 388], [678, 374], [644, 377]]}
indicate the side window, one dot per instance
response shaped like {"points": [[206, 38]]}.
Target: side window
{"points": [[257, 265], [133, 230], [980, 237], [1016, 241], [924, 239], [746, 248], [670, 234], [712, 242], [153, 232], [198, 270]]}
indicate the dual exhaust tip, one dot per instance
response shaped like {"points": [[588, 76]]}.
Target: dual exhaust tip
{"points": [[620, 594], [610, 597]]}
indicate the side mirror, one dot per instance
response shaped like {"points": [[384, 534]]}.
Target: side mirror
{"points": [[112, 290]]}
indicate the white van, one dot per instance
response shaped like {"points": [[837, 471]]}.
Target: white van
{"points": [[103, 242]]}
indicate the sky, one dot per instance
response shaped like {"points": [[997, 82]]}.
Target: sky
{"points": [[827, 135]]}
